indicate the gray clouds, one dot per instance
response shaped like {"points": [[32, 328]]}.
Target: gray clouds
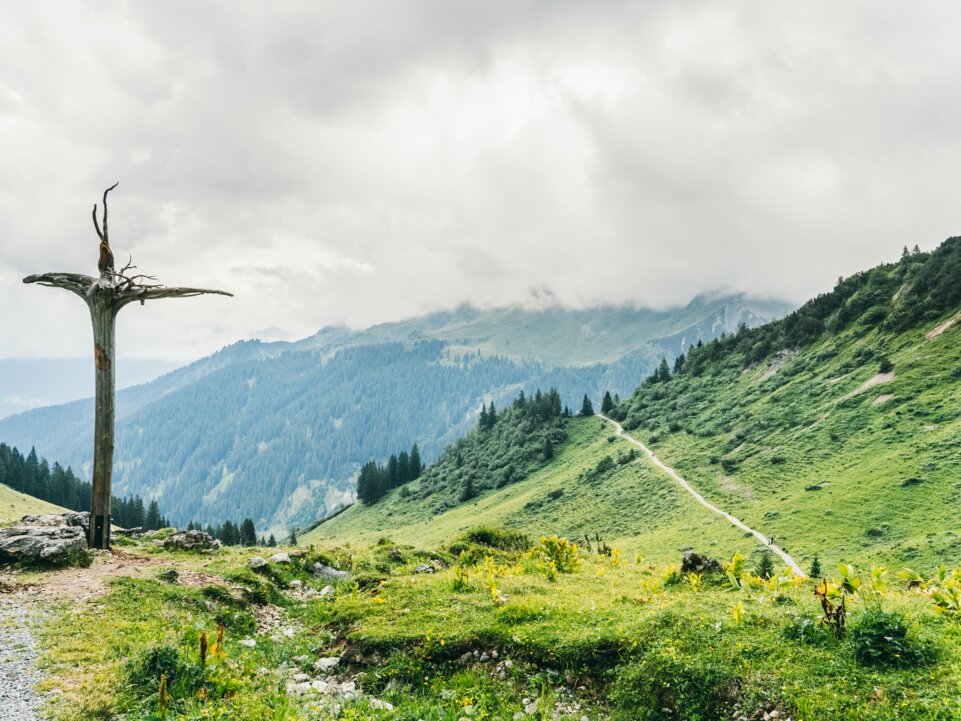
{"points": [[359, 162]]}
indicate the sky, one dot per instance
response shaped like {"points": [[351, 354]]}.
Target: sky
{"points": [[354, 163]]}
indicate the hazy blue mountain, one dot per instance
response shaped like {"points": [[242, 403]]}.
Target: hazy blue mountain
{"points": [[277, 431], [27, 383]]}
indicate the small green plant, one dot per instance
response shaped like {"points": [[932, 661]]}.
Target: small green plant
{"points": [[561, 551]]}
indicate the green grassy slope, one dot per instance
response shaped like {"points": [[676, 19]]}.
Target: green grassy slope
{"points": [[837, 431], [633, 507], [14, 504]]}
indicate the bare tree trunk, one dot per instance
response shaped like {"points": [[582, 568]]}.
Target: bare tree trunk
{"points": [[103, 314]]}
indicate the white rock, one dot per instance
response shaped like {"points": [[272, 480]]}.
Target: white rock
{"points": [[247, 642], [376, 703], [300, 677], [326, 664], [319, 685], [326, 591], [296, 584], [257, 562], [282, 557]]}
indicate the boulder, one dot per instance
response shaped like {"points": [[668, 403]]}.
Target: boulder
{"points": [[694, 562], [135, 533], [322, 571], [327, 664], [191, 541], [70, 519], [282, 557], [327, 591], [257, 562], [423, 568], [49, 544]]}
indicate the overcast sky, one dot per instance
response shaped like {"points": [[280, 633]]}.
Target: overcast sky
{"points": [[355, 162]]}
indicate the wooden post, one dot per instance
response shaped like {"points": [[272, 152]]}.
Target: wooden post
{"points": [[105, 296], [103, 314]]}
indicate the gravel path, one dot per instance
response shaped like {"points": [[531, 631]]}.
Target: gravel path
{"points": [[704, 502], [18, 651]]}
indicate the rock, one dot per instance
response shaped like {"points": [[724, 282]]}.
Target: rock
{"points": [[296, 584], [319, 685], [136, 532], [191, 541], [376, 703], [694, 562], [299, 677], [423, 568], [257, 562], [247, 643], [296, 689], [282, 557], [327, 591], [519, 716], [326, 664], [49, 543], [322, 571], [80, 519]]}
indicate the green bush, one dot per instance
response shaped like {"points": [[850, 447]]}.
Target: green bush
{"points": [[880, 638], [499, 538]]}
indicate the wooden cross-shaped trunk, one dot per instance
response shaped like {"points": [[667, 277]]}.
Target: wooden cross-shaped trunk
{"points": [[105, 296]]}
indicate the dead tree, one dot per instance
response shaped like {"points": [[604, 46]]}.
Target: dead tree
{"points": [[105, 296]]}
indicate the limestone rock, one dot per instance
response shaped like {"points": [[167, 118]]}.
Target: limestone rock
{"points": [[257, 562], [51, 544], [322, 571], [423, 568], [191, 541], [71, 519], [281, 557]]}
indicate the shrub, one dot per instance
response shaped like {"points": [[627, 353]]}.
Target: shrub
{"points": [[144, 671], [561, 552], [499, 538], [881, 638]]}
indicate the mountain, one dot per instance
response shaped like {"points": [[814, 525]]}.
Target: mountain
{"points": [[27, 383], [835, 430], [277, 431]]}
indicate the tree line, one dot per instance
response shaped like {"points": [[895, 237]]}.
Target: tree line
{"points": [[375, 479], [55, 484], [233, 534]]}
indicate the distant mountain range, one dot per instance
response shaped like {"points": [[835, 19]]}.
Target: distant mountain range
{"points": [[277, 431]]}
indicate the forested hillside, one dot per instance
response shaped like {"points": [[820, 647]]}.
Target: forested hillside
{"points": [[836, 430], [278, 431]]}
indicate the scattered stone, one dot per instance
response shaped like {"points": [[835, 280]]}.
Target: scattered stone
{"points": [[319, 685], [300, 677], [136, 533], [322, 571], [49, 543], [257, 562], [326, 664], [297, 584], [694, 562], [283, 557], [484, 658], [247, 643], [376, 703], [191, 541], [327, 591], [423, 568]]}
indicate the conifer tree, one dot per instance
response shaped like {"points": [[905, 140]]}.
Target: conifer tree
{"points": [[416, 466], [248, 533], [607, 405], [292, 538], [587, 408], [272, 542], [403, 469], [152, 519]]}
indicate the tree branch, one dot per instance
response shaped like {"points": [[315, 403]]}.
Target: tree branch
{"points": [[74, 282], [96, 226], [106, 237], [145, 293]]}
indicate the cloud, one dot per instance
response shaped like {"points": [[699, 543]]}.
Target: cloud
{"points": [[355, 163]]}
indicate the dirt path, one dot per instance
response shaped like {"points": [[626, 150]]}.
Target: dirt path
{"points": [[704, 502]]}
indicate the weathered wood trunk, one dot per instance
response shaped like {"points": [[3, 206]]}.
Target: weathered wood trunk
{"points": [[103, 314]]}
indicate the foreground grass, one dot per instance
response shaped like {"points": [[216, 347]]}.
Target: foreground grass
{"points": [[491, 635]]}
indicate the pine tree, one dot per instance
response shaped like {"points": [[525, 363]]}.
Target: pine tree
{"points": [[272, 542], [587, 408], [416, 467], [403, 469], [607, 405], [548, 449], [491, 416], [152, 519], [482, 422], [248, 534], [393, 474], [663, 372], [292, 538], [815, 567], [765, 567]]}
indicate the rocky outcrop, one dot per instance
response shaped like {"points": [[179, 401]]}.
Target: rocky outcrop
{"points": [[191, 541], [71, 519], [47, 544]]}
